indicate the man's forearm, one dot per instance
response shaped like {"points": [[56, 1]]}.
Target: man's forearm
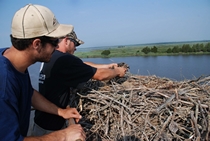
{"points": [[105, 66], [105, 74], [39, 102], [94, 65]]}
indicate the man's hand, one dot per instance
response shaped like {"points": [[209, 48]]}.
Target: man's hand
{"points": [[75, 132], [69, 113], [122, 64], [122, 71]]}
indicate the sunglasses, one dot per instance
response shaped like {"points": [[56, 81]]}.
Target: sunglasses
{"points": [[74, 41]]}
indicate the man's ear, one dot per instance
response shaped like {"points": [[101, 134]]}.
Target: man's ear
{"points": [[37, 45], [66, 41]]}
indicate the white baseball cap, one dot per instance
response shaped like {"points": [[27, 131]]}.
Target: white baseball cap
{"points": [[34, 21]]}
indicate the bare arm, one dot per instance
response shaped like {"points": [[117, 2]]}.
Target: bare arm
{"points": [[41, 103], [106, 66], [71, 133], [106, 74]]}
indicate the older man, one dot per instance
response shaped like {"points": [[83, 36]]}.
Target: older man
{"points": [[64, 72]]}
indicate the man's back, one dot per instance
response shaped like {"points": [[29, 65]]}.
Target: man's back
{"points": [[64, 71]]}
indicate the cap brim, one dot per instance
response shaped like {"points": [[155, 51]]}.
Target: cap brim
{"points": [[61, 31], [80, 42]]}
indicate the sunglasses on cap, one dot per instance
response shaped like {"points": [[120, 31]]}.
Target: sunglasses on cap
{"points": [[74, 41]]}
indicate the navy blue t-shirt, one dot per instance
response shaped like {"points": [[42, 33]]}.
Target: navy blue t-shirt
{"points": [[56, 77], [15, 101]]}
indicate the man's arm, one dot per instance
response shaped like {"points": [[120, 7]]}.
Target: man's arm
{"points": [[107, 74], [39, 102], [105, 66]]}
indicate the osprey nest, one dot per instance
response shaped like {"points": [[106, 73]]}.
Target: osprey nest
{"points": [[144, 108]]}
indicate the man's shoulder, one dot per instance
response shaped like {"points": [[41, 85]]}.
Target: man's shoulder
{"points": [[58, 54], [2, 50], [64, 56], [59, 58]]}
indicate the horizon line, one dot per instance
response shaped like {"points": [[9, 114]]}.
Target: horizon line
{"points": [[148, 43]]}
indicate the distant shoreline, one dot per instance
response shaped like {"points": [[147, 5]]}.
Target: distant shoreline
{"points": [[136, 50], [149, 44]]}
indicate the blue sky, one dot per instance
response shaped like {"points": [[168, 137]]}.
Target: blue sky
{"points": [[121, 22]]}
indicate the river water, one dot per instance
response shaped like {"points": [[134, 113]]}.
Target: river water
{"points": [[176, 68]]}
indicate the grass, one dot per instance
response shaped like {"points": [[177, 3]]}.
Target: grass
{"points": [[127, 51]]}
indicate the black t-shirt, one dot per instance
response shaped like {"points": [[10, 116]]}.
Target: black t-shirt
{"points": [[64, 71]]}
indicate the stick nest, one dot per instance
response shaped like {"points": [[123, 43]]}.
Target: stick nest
{"points": [[137, 108]]}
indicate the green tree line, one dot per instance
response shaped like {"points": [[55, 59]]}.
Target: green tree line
{"points": [[185, 48]]}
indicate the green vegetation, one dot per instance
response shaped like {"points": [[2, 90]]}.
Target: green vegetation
{"points": [[105, 53], [149, 50]]}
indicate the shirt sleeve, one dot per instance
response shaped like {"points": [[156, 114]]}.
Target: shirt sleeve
{"points": [[72, 71]]}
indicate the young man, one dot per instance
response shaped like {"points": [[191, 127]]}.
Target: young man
{"points": [[65, 71], [35, 33]]}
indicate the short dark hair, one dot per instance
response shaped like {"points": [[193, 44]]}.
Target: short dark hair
{"points": [[22, 44]]}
